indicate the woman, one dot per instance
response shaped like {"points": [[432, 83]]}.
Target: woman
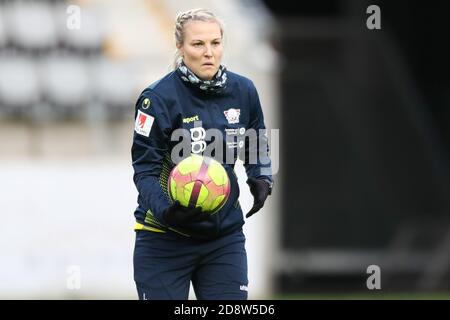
{"points": [[174, 244]]}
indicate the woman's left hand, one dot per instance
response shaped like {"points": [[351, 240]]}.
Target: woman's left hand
{"points": [[260, 189]]}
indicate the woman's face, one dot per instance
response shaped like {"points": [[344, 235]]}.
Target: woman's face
{"points": [[202, 48]]}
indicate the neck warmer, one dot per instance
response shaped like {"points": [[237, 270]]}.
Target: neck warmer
{"points": [[216, 85]]}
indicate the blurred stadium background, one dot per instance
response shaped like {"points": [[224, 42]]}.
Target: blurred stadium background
{"points": [[364, 153]]}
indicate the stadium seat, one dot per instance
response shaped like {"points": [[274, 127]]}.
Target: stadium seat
{"points": [[65, 83], [19, 86], [30, 25], [116, 86], [114, 81], [88, 38], [3, 39]]}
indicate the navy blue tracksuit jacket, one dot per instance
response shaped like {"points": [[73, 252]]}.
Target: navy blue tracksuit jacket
{"points": [[171, 104]]}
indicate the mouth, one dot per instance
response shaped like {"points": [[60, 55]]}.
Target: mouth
{"points": [[208, 64]]}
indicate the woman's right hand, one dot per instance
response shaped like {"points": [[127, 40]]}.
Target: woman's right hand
{"points": [[177, 215]]}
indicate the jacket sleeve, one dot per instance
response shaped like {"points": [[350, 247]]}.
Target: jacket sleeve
{"points": [[150, 146], [255, 154]]}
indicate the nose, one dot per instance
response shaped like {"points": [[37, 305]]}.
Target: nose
{"points": [[208, 52]]}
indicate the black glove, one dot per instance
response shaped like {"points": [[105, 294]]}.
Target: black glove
{"points": [[260, 189], [177, 215]]}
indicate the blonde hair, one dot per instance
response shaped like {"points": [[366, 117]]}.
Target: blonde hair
{"points": [[191, 15]]}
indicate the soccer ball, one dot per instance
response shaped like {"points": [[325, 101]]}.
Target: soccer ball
{"points": [[201, 182]]}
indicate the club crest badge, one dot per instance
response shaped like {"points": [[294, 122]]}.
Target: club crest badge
{"points": [[232, 115]]}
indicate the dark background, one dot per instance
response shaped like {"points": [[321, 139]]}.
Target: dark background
{"points": [[366, 141]]}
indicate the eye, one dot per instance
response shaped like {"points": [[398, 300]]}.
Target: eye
{"points": [[198, 44], [216, 43]]}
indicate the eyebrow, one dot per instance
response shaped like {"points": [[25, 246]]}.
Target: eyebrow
{"points": [[203, 41]]}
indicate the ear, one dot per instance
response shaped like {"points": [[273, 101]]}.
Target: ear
{"points": [[180, 49]]}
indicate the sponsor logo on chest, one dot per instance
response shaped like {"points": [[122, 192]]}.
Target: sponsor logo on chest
{"points": [[191, 119]]}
